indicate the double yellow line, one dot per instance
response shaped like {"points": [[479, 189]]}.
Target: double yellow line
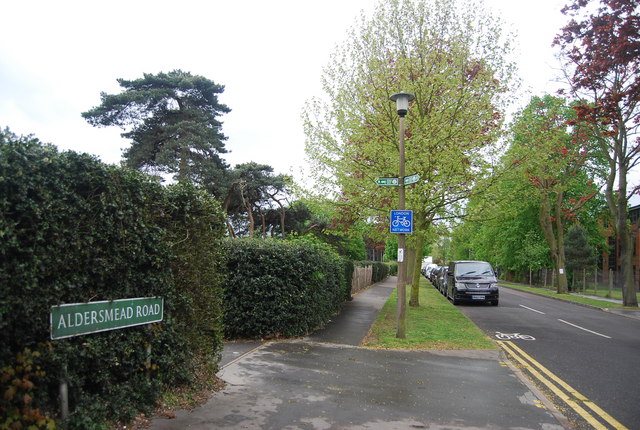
{"points": [[571, 397]]}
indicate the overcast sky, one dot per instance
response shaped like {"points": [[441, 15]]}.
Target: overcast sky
{"points": [[57, 56]]}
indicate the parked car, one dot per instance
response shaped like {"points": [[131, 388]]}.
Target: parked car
{"points": [[433, 276], [472, 281], [427, 269], [441, 278]]}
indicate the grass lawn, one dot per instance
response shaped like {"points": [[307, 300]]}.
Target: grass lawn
{"points": [[570, 297], [436, 324]]}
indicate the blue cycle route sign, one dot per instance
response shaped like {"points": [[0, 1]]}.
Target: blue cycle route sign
{"points": [[401, 222]]}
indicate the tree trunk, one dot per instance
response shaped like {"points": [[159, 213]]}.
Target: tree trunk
{"points": [[282, 213], [282, 219], [625, 239], [247, 206], [617, 203], [252, 222], [556, 244], [232, 233], [264, 225], [414, 301], [559, 231], [410, 255]]}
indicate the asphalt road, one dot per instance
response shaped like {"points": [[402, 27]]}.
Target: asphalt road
{"points": [[595, 352]]}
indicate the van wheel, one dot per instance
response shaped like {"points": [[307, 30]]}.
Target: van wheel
{"points": [[494, 303]]}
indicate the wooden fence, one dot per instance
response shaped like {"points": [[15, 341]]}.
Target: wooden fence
{"points": [[362, 278]]}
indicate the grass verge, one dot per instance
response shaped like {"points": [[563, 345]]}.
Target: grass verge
{"points": [[435, 324], [603, 304]]}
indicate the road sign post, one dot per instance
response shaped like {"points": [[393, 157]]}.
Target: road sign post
{"points": [[402, 104]]}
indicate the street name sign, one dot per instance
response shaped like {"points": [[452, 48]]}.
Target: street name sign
{"points": [[411, 179], [394, 182], [401, 222], [387, 182], [78, 319]]}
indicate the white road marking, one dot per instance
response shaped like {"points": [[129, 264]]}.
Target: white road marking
{"points": [[531, 309], [582, 328]]}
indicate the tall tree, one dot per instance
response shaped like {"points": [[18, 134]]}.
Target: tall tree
{"points": [[172, 122], [550, 155], [603, 57], [580, 254], [252, 188], [452, 57]]}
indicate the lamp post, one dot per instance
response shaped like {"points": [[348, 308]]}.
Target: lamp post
{"points": [[402, 103]]}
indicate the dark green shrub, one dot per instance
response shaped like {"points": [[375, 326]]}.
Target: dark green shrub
{"points": [[194, 225], [76, 230], [393, 269], [349, 267], [380, 272], [277, 288], [18, 385]]}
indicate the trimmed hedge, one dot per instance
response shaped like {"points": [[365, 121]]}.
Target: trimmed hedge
{"points": [[393, 269], [277, 288], [76, 230], [194, 229]]}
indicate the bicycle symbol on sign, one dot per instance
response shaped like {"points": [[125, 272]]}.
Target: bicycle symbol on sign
{"points": [[401, 221], [510, 336]]}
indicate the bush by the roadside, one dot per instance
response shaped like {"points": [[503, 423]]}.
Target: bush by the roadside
{"points": [[349, 267], [194, 227], [277, 288], [75, 230], [393, 269], [380, 272]]}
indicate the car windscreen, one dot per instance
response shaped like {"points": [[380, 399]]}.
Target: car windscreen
{"points": [[474, 269]]}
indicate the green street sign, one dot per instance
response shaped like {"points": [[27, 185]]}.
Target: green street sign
{"points": [[388, 182], [394, 182], [411, 179], [78, 319]]}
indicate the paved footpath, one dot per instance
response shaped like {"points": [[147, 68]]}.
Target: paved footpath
{"points": [[325, 381]]}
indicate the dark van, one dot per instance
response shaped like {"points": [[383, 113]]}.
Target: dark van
{"points": [[472, 281]]}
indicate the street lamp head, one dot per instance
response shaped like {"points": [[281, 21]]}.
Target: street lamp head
{"points": [[402, 102]]}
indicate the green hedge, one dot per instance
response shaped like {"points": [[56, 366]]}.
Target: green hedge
{"points": [[194, 227], [393, 269], [277, 288], [76, 230], [380, 271]]}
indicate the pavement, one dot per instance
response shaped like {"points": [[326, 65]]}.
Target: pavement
{"points": [[629, 313], [326, 381]]}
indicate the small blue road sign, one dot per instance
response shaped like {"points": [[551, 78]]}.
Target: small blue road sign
{"points": [[401, 222]]}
